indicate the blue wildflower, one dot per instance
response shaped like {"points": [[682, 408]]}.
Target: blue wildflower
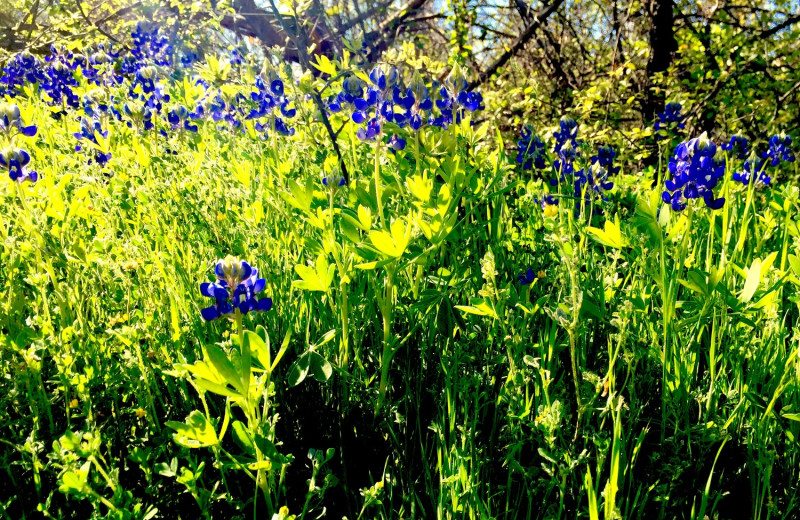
{"points": [[21, 69], [11, 121], [779, 150], [90, 130], [530, 150], [235, 289], [671, 117], [14, 161], [751, 171], [695, 173], [738, 146], [527, 277], [333, 181], [181, 117]]}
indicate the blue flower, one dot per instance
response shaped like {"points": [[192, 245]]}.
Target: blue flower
{"points": [[396, 143], [236, 288], [21, 69], [695, 174], [750, 171], [14, 161], [11, 121], [146, 77], [671, 117], [738, 145], [139, 115], [530, 150], [527, 277], [90, 129], [333, 181], [270, 96], [182, 117], [779, 150]]}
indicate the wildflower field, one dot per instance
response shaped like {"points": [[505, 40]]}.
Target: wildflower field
{"points": [[246, 281]]}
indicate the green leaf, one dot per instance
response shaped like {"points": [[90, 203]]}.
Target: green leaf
{"points": [[319, 367], [317, 279], [215, 388], [196, 432], [751, 284], [225, 368], [479, 306], [242, 437], [258, 348], [74, 482], [610, 236], [324, 65], [270, 451], [282, 351], [298, 371], [392, 244]]}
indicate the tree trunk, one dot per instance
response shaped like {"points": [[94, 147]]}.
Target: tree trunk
{"points": [[662, 48]]}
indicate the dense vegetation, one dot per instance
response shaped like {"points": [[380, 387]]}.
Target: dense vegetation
{"points": [[375, 278]]}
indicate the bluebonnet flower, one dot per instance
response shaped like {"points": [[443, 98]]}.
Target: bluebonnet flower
{"points": [[138, 115], [95, 104], [333, 181], [527, 277], [695, 173], [58, 84], [530, 150], [269, 96], [149, 46], [396, 143], [11, 121], [352, 89], [182, 117], [454, 99], [752, 170], [14, 161], [188, 59], [779, 150], [592, 183], [566, 148], [371, 131], [671, 117], [90, 129], [236, 288], [99, 67], [21, 69], [224, 110], [417, 101], [377, 106], [738, 146], [237, 58], [146, 77]]}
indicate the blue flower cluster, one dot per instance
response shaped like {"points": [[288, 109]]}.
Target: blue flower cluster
{"points": [[592, 182], [14, 159], [695, 173], [386, 100], [90, 130], [333, 181], [588, 183], [755, 167], [269, 96], [11, 122], [779, 150], [531, 151], [235, 289], [671, 118]]}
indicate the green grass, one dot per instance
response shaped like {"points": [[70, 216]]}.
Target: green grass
{"points": [[650, 372]]}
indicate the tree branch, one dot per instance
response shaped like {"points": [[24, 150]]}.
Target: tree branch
{"points": [[520, 42]]}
